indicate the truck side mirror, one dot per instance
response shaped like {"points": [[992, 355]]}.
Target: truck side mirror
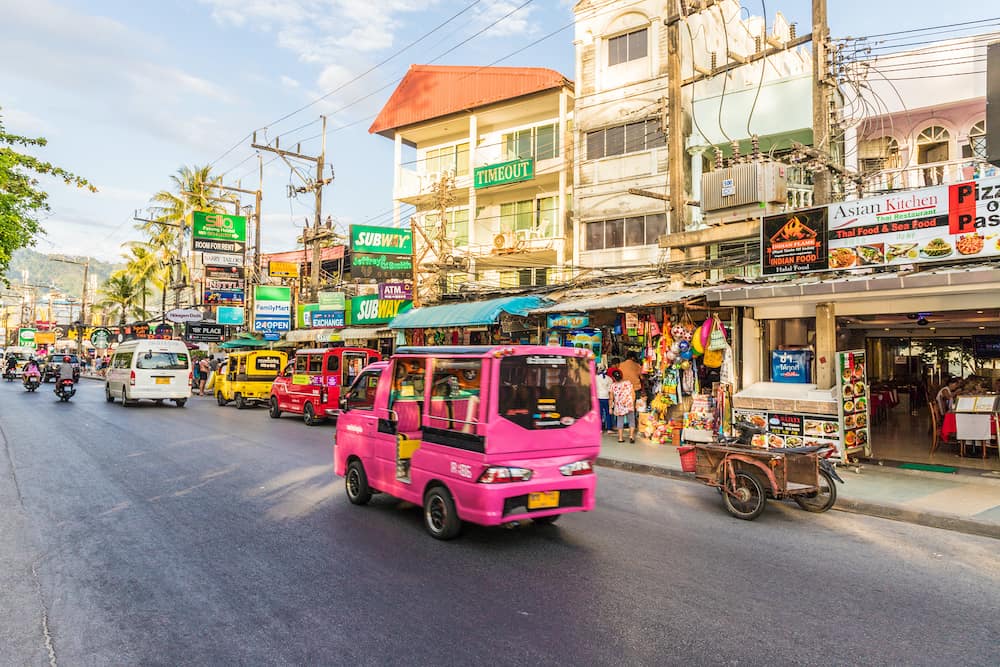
{"points": [[345, 405]]}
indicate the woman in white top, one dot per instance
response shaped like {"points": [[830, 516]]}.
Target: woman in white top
{"points": [[604, 398], [946, 394]]}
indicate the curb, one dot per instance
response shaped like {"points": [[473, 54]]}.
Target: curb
{"points": [[888, 511]]}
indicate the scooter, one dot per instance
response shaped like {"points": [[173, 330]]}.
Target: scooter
{"points": [[9, 374], [65, 389], [31, 382]]}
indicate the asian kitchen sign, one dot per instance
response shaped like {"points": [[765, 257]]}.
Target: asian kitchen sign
{"points": [[514, 171], [381, 240], [941, 223]]}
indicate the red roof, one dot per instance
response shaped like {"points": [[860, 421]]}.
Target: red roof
{"points": [[304, 257], [433, 91]]}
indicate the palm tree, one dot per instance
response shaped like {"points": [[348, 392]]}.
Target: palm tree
{"points": [[120, 296], [144, 267]]}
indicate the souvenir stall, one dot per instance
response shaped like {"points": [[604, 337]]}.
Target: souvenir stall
{"points": [[492, 322]]}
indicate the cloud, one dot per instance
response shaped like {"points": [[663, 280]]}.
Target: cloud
{"points": [[517, 24], [17, 121], [289, 82]]}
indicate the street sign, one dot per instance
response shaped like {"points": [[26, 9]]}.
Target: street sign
{"points": [[218, 226], [205, 333], [213, 246], [184, 315], [282, 269], [224, 272], [221, 259]]}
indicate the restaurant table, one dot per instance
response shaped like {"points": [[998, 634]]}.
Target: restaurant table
{"points": [[949, 427]]}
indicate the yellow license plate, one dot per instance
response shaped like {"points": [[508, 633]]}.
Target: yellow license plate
{"points": [[543, 500], [162, 380]]}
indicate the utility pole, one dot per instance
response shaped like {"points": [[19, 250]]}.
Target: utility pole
{"points": [[820, 99], [315, 185], [83, 300], [675, 125]]}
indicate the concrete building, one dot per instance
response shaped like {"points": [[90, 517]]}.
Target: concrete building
{"points": [[491, 148]]}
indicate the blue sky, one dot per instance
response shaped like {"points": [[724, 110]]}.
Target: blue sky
{"points": [[127, 91]]}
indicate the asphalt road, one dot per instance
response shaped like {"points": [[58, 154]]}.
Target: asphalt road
{"points": [[202, 535]]}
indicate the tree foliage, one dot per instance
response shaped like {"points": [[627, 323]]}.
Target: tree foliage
{"points": [[121, 298], [22, 200]]}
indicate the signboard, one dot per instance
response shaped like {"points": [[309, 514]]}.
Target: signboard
{"points": [[184, 315], [224, 272], [791, 366], [397, 291], [205, 333], [935, 224], [381, 266], [332, 301], [220, 259], [230, 315], [372, 310], [852, 379], [793, 242], [327, 318], [514, 171], [100, 338], [218, 226], [26, 337], [728, 187], [272, 309], [229, 297], [45, 338], [789, 429], [212, 246], [303, 314], [163, 331], [570, 321], [282, 269], [385, 240], [224, 285]]}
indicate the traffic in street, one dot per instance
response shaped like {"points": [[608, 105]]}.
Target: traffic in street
{"points": [[204, 534]]}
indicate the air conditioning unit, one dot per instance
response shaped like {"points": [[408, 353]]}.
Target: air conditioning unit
{"points": [[744, 185]]}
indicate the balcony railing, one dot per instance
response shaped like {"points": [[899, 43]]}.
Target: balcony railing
{"points": [[926, 175]]}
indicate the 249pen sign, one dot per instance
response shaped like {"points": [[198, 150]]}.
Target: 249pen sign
{"points": [[794, 242]]}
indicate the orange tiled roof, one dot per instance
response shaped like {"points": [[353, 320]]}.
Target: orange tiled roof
{"points": [[433, 91]]}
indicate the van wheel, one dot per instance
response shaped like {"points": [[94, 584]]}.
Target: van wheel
{"points": [[180, 402], [107, 394], [238, 400], [219, 399], [309, 415], [356, 483], [273, 410], [440, 517]]}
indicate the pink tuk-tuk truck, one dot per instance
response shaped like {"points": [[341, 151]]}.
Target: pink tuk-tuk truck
{"points": [[485, 434]]}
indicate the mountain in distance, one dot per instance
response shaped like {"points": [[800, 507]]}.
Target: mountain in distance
{"points": [[68, 278]]}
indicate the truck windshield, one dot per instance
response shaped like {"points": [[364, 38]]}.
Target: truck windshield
{"points": [[544, 391]]}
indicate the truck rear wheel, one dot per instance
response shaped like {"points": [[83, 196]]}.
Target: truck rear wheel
{"points": [[440, 517]]}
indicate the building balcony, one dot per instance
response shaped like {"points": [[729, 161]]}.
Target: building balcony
{"points": [[927, 175]]}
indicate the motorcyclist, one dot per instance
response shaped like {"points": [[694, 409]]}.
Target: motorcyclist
{"points": [[31, 368], [11, 364], [66, 369]]}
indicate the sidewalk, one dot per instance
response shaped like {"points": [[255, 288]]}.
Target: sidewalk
{"points": [[967, 502]]}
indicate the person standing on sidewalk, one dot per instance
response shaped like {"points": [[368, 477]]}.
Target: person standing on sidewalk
{"points": [[604, 398], [632, 372], [623, 405], [204, 368]]}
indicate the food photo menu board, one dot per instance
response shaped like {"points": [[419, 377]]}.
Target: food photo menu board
{"points": [[935, 224], [852, 379], [787, 429]]}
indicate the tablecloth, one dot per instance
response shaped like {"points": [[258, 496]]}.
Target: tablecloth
{"points": [[948, 428]]}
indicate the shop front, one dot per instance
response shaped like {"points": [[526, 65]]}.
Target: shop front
{"points": [[491, 322]]}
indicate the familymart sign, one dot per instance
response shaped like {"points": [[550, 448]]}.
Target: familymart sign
{"points": [[514, 171]]}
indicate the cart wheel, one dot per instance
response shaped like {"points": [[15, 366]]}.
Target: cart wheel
{"points": [[745, 498], [824, 499]]}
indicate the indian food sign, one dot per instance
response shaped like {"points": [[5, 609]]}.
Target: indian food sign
{"points": [[941, 223]]}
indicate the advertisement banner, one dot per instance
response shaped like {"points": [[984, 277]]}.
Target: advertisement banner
{"points": [[332, 301], [100, 338], [272, 309], [218, 226], [230, 315], [386, 240], [567, 321], [396, 291], [303, 315], [381, 266], [224, 272], [204, 333], [372, 310], [221, 259], [794, 242], [325, 319], [504, 172], [235, 297], [282, 269], [227, 247], [26, 337], [224, 285]]}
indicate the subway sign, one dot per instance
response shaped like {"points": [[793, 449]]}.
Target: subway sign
{"points": [[373, 310], [514, 171], [385, 240]]}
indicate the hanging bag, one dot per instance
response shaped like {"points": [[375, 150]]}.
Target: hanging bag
{"points": [[717, 339]]}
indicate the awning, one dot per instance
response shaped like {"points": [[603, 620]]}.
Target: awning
{"points": [[621, 298], [301, 335], [359, 333], [243, 342], [476, 313]]}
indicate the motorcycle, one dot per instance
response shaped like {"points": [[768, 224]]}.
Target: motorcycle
{"points": [[9, 374], [65, 389], [31, 382]]}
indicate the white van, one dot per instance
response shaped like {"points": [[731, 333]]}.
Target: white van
{"points": [[154, 369]]}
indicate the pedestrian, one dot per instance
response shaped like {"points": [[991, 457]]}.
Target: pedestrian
{"points": [[204, 368], [632, 372], [604, 399], [623, 404], [213, 364]]}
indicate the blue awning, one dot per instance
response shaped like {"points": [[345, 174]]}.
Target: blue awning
{"points": [[476, 313]]}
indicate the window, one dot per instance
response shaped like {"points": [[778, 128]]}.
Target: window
{"points": [[162, 361], [332, 363], [536, 277], [630, 46], [268, 365], [515, 216], [456, 223], [315, 364], [878, 154], [449, 158], [122, 360], [533, 388], [977, 141], [547, 210], [540, 142], [622, 139], [628, 232], [302, 363], [353, 363], [454, 402], [362, 393]]}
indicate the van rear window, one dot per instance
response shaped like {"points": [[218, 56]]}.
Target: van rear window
{"points": [[162, 361], [544, 391]]}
